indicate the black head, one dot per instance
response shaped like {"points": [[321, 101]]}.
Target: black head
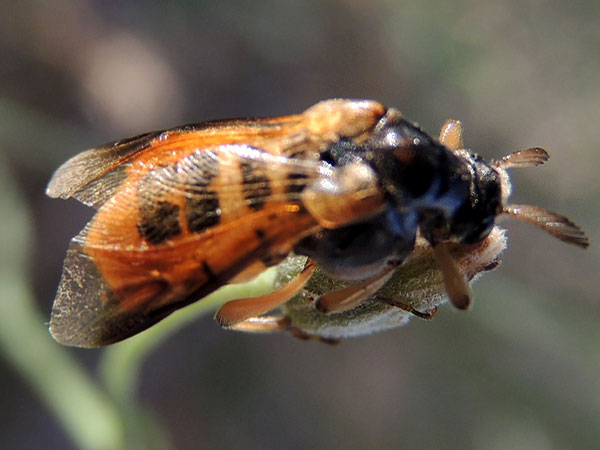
{"points": [[475, 219]]}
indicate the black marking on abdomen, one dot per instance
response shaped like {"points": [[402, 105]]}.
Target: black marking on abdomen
{"points": [[202, 210], [296, 182], [256, 185], [159, 218], [159, 221], [195, 172]]}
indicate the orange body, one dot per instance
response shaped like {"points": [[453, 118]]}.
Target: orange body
{"points": [[185, 211]]}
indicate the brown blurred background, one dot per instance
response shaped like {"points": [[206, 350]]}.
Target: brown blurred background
{"points": [[520, 370]]}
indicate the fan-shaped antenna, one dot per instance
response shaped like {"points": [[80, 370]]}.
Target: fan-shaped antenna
{"points": [[552, 223]]}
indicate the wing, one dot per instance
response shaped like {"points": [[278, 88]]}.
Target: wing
{"points": [[94, 176], [183, 212]]}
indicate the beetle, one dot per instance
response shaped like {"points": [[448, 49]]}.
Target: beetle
{"points": [[347, 183]]}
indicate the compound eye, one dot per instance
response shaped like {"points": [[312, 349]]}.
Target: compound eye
{"points": [[480, 232]]}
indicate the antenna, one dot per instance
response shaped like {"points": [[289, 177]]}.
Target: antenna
{"points": [[523, 158], [552, 223]]}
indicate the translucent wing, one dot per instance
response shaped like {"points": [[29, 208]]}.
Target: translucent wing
{"points": [[93, 176]]}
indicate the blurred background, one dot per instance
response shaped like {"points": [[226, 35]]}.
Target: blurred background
{"points": [[519, 370]]}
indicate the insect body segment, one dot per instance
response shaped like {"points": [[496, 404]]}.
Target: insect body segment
{"points": [[348, 183]]}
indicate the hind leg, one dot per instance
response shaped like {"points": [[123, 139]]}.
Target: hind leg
{"points": [[236, 311]]}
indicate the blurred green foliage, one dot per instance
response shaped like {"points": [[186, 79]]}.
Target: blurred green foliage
{"points": [[521, 370]]}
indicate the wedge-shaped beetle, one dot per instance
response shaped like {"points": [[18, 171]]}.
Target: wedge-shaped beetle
{"points": [[348, 183]]}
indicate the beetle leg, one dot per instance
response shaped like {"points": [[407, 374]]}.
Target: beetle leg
{"points": [[458, 290], [451, 135], [406, 307], [236, 311], [271, 323], [348, 298]]}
